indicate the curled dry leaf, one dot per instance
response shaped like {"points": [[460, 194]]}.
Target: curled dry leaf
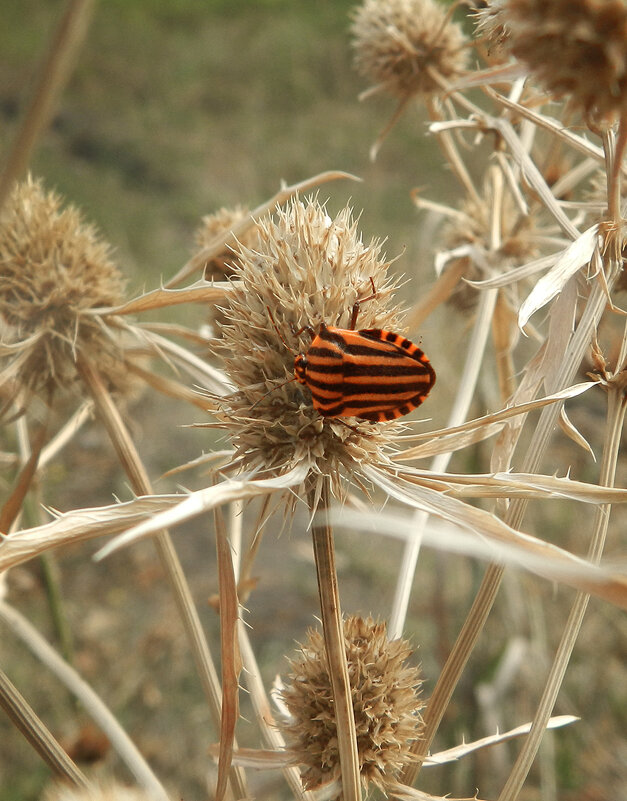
{"points": [[499, 543], [576, 256]]}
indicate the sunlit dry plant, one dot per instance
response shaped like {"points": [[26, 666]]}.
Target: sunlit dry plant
{"points": [[355, 715], [306, 269], [53, 270], [386, 701]]}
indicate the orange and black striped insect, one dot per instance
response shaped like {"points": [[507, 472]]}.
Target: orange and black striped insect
{"points": [[372, 374]]}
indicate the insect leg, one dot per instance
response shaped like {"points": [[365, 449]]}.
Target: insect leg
{"points": [[357, 304]]}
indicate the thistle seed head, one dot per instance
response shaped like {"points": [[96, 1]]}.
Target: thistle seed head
{"points": [[306, 269], [53, 269], [221, 222], [575, 48], [386, 702], [399, 43], [474, 229]]}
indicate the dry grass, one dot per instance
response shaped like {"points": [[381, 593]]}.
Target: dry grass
{"points": [[152, 638]]}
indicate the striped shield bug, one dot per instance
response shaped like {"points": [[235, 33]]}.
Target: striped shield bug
{"points": [[372, 374]]}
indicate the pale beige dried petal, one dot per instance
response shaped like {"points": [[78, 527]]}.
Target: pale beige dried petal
{"points": [[398, 43], [386, 701]]}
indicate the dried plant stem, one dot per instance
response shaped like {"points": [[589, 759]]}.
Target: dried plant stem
{"points": [[53, 74], [65, 435], [263, 713], [486, 594], [172, 389], [450, 153], [24, 718], [335, 645], [458, 415], [134, 468], [436, 295], [231, 662], [617, 405], [614, 150], [94, 706]]}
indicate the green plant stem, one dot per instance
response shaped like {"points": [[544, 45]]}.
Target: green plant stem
{"points": [[25, 719], [50, 570], [335, 645]]}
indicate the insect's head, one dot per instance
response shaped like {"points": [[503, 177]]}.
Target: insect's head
{"points": [[300, 368]]}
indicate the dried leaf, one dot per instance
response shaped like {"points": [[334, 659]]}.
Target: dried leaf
{"points": [[79, 525], [571, 260], [200, 292], [477, 533], [445, 440], [572, 433], [196, 503], [453, 754]]}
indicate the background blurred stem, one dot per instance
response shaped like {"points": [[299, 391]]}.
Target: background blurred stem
{"points": [[25, 719], [53, 74], [52, 583], [94, 706]]}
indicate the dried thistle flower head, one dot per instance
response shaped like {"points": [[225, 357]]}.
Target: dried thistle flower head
{"points": [[95, 792], [489, 22], [306, 269], [473, 230], [221, 222], [221, 266], [53, 270], [386, 701], [399, 44], [575, 48]]}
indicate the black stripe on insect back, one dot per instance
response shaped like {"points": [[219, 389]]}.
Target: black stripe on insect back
{"points": [[349, 348], [356, 370]]}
